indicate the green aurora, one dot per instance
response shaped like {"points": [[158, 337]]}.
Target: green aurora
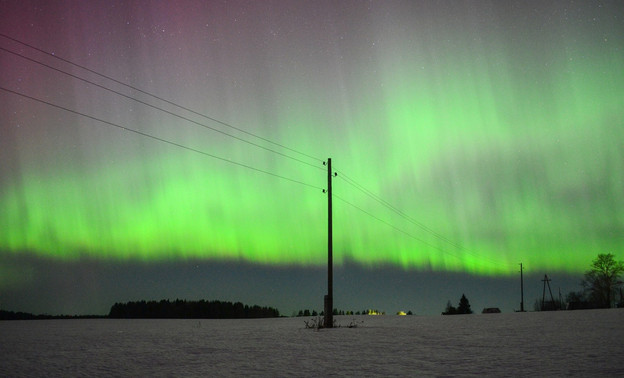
{"points": [[497, 148]]}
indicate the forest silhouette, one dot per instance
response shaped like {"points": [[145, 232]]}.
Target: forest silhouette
{"points": [[163, 309], [183, 309]]}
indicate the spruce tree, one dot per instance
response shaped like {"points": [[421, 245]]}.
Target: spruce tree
{"points": [[464, 306]]}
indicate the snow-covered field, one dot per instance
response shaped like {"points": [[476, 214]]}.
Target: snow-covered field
{"points": [[581, 343]]}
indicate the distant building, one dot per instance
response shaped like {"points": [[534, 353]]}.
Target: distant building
{"points": [[491, 310]]}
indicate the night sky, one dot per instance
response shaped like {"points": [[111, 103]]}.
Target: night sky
{"points": [[467, 137]]}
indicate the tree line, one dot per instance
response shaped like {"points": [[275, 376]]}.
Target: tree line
{"points": [[307, 312], [336, 311], [183, 309], [19, 315]]}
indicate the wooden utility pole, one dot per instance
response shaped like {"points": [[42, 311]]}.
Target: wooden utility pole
{"points": [[546, 281], [329, 299], [521, 290]]}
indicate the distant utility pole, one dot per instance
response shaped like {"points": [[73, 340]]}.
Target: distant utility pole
{"points": [[521, 290], [546, 281], [329, 298]]}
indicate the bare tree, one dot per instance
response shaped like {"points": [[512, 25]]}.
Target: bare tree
{"points": [[601, 281]]}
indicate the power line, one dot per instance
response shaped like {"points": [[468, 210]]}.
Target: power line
{"points": [[158, 108], [397, 211], [159, 98], [160, 139], [410, 235], [408, 218], [394, 227]]}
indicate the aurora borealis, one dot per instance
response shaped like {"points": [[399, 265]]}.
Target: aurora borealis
{"points": [[493, 130]]}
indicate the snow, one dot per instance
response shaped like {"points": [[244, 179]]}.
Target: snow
{"points": [[578, 343]]}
